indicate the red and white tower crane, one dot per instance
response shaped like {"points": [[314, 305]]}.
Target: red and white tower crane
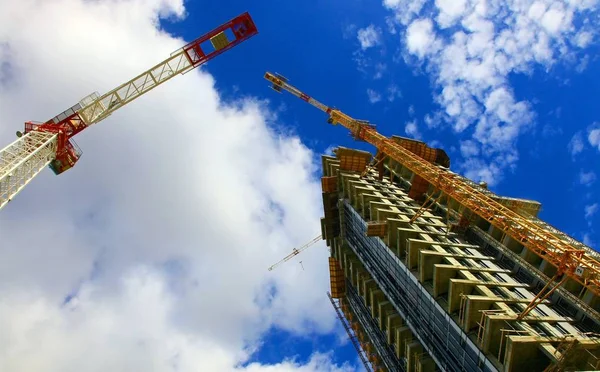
{"points": [[50, 143]]}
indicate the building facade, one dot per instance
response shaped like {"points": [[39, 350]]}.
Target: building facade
{"points": [[425, 289]]}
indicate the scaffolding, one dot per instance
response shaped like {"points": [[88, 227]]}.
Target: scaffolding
{"points": [[440, 336], [388, 357], [351, 335]]}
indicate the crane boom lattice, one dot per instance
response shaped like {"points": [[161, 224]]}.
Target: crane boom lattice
{"points": [[296, 251], [573, 261], [50, 143]]}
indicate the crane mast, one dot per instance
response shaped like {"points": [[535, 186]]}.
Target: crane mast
{"points": [[574, 262], [296, 251], [50, 143]]}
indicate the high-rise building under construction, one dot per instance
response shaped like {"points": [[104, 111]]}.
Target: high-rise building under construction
{"points": [[421, 286]]}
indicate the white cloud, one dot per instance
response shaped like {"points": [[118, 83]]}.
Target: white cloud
{"points": [[470, 48], [551, 130], [449, 11], [362, 62], [434, 144], [587, 178], [389, 21], [164, 230], [433, 121], [130, 328], [369, 37], [379, 70], [393, 92], [349, 31], [412, 130], [594, 135], [374, 97], [583, 39], [587, 240], [469, 148], [411, 110], [317, 362], [575, 145], [590, 210], [583, 64], [405, 10], [329, 150], [420, 37], [478, 170]]}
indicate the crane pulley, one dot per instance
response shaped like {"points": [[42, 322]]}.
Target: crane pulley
{"points": [[295, 252], [50, 143], [575, 262]]}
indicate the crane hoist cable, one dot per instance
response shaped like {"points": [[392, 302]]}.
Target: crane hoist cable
{"points": [[295, 252], [51, 142], [574, 261]]}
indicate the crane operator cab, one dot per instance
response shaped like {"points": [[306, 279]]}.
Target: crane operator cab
{"points": [[66, 158]]}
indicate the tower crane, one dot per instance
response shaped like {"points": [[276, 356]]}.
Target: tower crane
{"points": [[295, 252], [571, 261], [51, 142]]}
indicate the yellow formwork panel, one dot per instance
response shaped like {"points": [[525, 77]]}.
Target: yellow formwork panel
{"points": [[337, 280], [219, 41], [329, 184], [377, 229], [353, 163], [353, 160]]}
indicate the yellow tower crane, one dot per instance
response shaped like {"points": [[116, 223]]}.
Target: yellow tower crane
{"points": [[570, 260]]}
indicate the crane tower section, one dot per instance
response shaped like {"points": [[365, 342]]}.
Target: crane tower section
{"points": [[50, 142]]}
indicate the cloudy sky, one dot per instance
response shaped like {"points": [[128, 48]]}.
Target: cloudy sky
{"points": [[152, 253]]}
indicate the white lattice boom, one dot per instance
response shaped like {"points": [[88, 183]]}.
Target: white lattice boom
{"points": [[95, 110], [22, 160]]}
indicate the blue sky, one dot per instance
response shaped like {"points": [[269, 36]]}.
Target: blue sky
{"points": [[140, 242], [354, 55]]}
